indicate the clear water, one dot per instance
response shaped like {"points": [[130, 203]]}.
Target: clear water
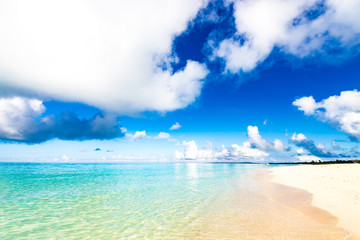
{"points": [[111, 201]]}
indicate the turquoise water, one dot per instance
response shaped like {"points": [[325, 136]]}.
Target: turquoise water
{"points": [[111, 201]]}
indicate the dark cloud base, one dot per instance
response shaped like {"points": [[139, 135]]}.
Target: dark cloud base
{"points": [[310, 146], [68, 126]]}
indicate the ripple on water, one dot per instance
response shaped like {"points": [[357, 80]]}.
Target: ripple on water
{"points": [[141, 201]]}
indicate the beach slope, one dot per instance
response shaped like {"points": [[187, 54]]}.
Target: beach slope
{"points": [[335, 188]]}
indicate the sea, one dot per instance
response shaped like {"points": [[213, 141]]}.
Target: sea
{"points": [[144, 201]]}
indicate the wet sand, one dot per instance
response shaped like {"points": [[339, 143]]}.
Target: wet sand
{"points": [[334, 188], [267, 210]]}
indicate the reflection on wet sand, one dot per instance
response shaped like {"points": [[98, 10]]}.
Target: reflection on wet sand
{"points": [[261, 209]]}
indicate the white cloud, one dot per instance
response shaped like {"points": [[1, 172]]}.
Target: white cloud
{"points": [[137, 135], [178, 155], [300, 151], [163, 135], [342, 112], [321, 146], [306, 104], [114, 55], [234, 152], [246, 151], [257, 141], [175, 126], [298, 137], [279, 146], [257, 149], [266, 24], [221, 153], [192, 151], [17, 116], [252, 150], [308, 158]]}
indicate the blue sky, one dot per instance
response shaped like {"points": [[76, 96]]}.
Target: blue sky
{"points": [[251, 80]]}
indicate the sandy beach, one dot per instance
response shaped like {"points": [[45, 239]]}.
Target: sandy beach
{"points": [[264, 210], [335, 188]]}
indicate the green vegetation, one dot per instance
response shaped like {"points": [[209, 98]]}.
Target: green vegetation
{"points": [[323, 162]]}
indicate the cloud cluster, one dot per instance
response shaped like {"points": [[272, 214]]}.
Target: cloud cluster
{"points": [[246, 151], [143, 135], [137, 135], [258, 142], [242, 152], [162, 135], [21, 120], [256, 148], [115, 55], [309, 151], [118, 55], [319, 150], [298, 27], [308, 158], [342, 112]]}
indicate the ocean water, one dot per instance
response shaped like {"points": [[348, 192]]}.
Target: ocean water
{"points": [[147, 201], [110, 201]]}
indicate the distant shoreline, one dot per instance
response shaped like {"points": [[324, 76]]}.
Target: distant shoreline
{"points": [[187, 161], [320, 162]]}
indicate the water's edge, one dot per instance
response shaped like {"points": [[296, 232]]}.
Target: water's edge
{"points": [[298, 199], [152, 201]]}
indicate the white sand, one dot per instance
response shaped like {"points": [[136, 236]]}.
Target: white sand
{"points": [[335, 188]]}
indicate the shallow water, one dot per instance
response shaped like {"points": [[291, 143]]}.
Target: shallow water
{"points": [[109, 201], [258, 209], [143, 201]]}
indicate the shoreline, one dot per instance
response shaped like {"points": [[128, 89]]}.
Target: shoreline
{"points": [[257, 208], [335, 189]]}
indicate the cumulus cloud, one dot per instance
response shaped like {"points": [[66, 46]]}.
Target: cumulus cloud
{"points": [[115, 55], [300, 151], [21, 120], [246, 151], [298, 27], [342, 112], [163, 135], [258, 142], [175, 126], [192, 151], [123, 130], [17, 116], [242, 152], [319, 150], [308, 158], [306, 104], [137, 135], [255, 149]]}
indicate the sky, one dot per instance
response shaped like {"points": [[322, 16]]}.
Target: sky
{"points": [[179, 80]]}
